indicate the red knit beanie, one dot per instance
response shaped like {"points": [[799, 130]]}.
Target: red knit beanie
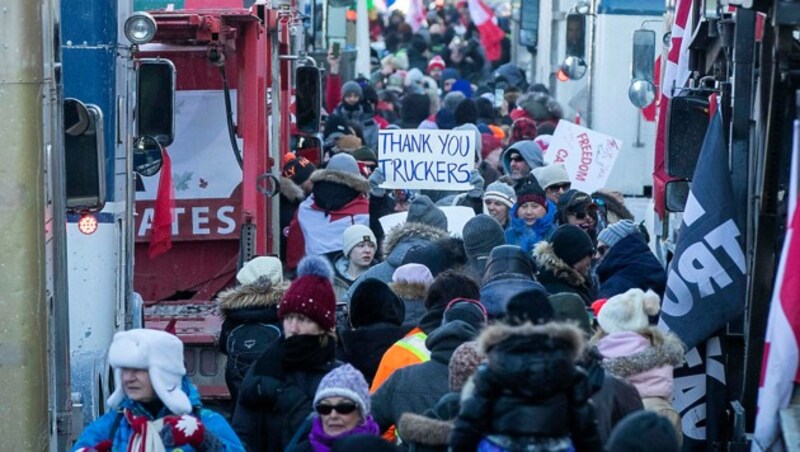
{"points": [[489, 144], [311, 294]]}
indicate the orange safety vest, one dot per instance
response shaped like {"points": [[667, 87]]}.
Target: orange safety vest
{"points": [[407, 351]]}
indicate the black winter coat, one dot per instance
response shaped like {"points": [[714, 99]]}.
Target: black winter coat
{"points": [[530, 391], [417, 388], [558, 277], [277, 394], [630, 264], [364, 347]]}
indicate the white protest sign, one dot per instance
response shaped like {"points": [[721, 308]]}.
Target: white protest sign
{"points": [[426, 159], [587, 155], [457, 217]]}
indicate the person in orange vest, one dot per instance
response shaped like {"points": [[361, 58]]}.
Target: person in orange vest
{"points": [[411, 349]]}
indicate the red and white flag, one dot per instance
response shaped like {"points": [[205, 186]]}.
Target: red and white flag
{"points": [[676, 74], [415, 14], [161, 235], [779, 367], [491, 34]]}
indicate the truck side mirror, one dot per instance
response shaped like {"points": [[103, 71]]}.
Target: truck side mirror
{"points": [[84, 152], [687, 123], [574, 66], [308, 99], [529, 23], [155, 100], [642, 91], [147, 156], [676, 193]]}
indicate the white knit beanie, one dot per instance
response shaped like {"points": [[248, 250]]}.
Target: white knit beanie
{"points": [[552, 174], [354, 235], [500, 192], [161, 354], [628, 311], [261, 268]]}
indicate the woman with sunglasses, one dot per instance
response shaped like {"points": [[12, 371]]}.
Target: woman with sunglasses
{"points": [[341, 409]]}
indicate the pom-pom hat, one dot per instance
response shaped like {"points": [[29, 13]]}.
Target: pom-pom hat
{"points": [[628, 311], [311, 294], [158, 352]]}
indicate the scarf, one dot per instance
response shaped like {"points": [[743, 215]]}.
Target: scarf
{"points": [[322, 442], [307, 352], [529, 236], [145, 436]]}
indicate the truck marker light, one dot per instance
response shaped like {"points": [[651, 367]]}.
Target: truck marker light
{"points": [[88, 223]]}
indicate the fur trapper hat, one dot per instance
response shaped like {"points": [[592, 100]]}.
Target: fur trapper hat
{"points": [[628, 311], [158, 352]]}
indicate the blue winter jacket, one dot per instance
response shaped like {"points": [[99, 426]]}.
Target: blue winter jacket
{"points": [[101, 429], [526, 237]]}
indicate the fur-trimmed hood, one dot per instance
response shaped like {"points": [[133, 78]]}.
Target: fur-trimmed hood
{"points": [[666, 350], [354, 181], [250, 296], [409, 291], [291, 191], [408, 231], [547, 261], [419, 429], [500, 332]]}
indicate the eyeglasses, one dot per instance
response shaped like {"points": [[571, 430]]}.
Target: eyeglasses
{"points": [[342, 408]]}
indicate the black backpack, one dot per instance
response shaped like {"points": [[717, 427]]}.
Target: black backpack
{"points": [[245, 344]]}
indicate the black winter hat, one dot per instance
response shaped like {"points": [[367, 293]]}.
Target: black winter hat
{"points": [[482, 233], [415, 108], [466, 310], [374, 302], [336, 125], [423, 210], [506, 259], [466, 112], [438, 256], [485, 108], [571, 244], [449, 286], [529, 305], [643, 431]]}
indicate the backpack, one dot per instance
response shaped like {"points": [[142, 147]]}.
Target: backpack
{"points": [[245, 344]]}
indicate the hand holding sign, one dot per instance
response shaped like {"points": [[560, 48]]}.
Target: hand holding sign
{"points": [[426, 159], [587, 155]]}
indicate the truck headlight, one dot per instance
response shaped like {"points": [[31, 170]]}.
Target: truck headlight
{"points": [[140, 28]]}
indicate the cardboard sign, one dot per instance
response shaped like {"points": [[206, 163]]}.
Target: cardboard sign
{"points": [[426, 159], [457, 217], [587, 155]]}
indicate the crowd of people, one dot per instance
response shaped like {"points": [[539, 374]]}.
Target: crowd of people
{"points": [[531, 329]]}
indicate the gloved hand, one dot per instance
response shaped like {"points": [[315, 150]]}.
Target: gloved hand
{"points": [[182, 430], [259, 390], [476, 181], [375, 180], [102, 446]]}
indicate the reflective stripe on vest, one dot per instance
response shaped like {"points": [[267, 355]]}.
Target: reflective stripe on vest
{"points": [[416, 345]]}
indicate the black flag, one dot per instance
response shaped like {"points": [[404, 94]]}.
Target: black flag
{"points": [[706, 279], [706, 286]]}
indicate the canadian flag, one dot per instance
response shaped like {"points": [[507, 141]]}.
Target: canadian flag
{"points": [[161, 235], [491, 34], [779, 367], [677, 74]]}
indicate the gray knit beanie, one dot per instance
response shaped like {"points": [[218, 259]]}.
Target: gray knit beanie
{"points": [[613, 233], [352, 87], [347, 382], [423, 210], [481, 234], [344, 163], [501, 192]]}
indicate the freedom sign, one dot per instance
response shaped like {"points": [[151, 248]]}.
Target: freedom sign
{"points": [[426, 159], [587, 155]]}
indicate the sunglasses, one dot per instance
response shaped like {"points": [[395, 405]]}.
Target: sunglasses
{"points": [[579, 215], [560, 187], [342, 408], [602, 250], [517, 158]]}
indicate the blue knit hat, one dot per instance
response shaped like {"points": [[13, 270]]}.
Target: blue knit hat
{"points": [[347, 382], [615, 232]]}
